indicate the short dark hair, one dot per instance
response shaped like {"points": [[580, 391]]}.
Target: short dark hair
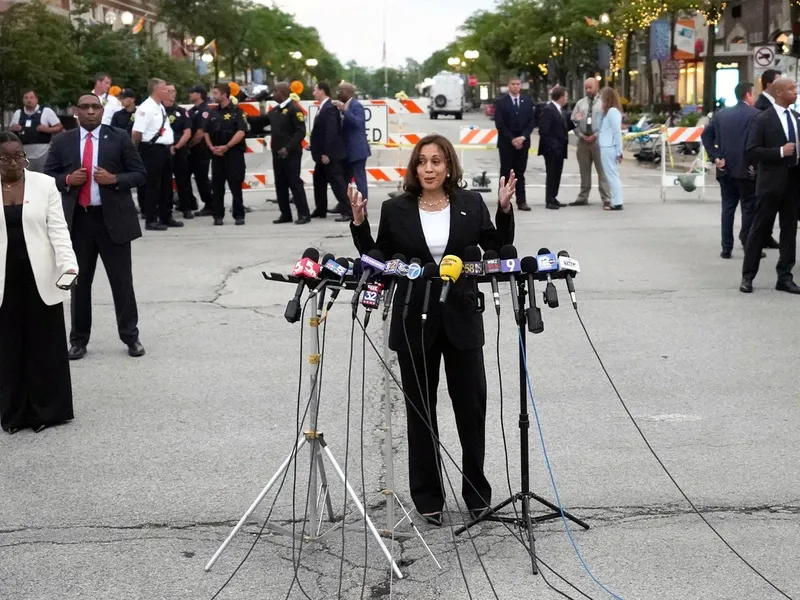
{"points": [[30, 91], [8, 137], [768, 76], [557, 93], [223, 88], [325, 87], [742, 89], [99, 76], [452, 183]]}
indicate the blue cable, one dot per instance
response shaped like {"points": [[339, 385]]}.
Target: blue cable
{"points": [[550, 471]]}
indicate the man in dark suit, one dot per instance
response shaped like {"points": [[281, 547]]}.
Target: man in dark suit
{"points": [[95, 168], [513, 118], [725, 140], [554, 131], [354, 134], [766, 99], [772, 145], [328, 152]]}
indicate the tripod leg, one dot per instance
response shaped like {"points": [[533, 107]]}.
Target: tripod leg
{"points": [[325, 489], [354, 497], [419, 535], [527, 525], [486, 515], [555, 508], [255, 503]]}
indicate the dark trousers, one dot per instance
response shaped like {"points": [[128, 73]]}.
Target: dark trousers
{"points": [[331, 174], [199, 165], [288, 178], [511, 158], [183, 179], [90, 239], [554, 166], [158, 189], [734, 191], [228, 168], [784, 204], [466, 382], [357, 169]]}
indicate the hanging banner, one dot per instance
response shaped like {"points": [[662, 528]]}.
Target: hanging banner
{"points": [[685, 37], [659, 40]]}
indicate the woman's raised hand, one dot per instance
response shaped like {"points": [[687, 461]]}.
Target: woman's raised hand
{"points": [[506, 191], [358, 205]]}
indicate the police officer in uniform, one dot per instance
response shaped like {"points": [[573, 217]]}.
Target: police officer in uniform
{"points": [[35, 126], [199, 154], [288, 127], [153, 136], [225, 132], [123, 119], [182, 131]]}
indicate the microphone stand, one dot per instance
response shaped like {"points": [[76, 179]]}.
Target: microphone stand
{"points": [[523, 519]]}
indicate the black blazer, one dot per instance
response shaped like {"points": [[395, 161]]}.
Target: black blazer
{"points": [[116, 155], [762, 102], [513, 122], [554, 132], [326, 135], [400, 231], [726, 137], [764, 149]]}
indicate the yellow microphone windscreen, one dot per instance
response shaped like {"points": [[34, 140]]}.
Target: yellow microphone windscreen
{"points": [[450, 268]]}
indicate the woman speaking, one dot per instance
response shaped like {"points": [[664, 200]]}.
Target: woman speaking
{"points": [[433, 218], [610, 141], [36, 259]]}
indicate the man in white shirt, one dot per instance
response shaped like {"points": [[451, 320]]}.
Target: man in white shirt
{"points": [[102, 83], [153, 136], [35, 126]]}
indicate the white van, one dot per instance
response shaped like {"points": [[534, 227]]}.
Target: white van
{"points": [[447, 96]]}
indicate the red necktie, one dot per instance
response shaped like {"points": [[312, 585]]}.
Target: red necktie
{"points": [[85, 195]]}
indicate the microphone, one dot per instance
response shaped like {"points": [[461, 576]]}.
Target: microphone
{"points": [[509, 263], [571, 268], [473, 267], [534, 313], [340, 268], [429, 273], [371, 264], [324, 277], [449, 271], [396, 267], [414, 272], [371, 299], [492, 266], [305, 268], [546, 263]]}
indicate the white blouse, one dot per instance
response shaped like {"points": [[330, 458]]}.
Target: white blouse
{"points": [[436, 227]]}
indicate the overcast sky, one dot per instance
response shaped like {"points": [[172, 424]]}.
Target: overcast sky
{"points": [[353, 29]]}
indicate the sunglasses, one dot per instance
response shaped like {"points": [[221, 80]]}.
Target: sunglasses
{"points": [[7, 159], [90, 106]]}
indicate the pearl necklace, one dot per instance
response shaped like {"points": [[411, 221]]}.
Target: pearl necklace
{"points": [[434, 206]]}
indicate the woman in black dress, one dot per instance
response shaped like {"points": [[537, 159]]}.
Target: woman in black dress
{"points": [[436, 217], [35, 251]]}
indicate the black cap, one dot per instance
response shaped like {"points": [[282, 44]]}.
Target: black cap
{"points": [[127, 93], [529, 265], [508, 251], [430, 271], [199, 89], [311, 253], [489, 255]]}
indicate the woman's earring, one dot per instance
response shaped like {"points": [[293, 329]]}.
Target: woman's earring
{"points": [[448, 175]]}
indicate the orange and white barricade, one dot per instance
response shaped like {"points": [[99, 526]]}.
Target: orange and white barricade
{"points": [[671, 136], [404, 139], [478, 137]]}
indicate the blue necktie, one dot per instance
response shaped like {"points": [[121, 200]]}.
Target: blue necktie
{"points": [[792, 135]]}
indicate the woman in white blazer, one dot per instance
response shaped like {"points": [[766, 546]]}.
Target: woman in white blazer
{"points": [[35, 252]]}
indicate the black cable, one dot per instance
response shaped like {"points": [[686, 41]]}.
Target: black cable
{"points": [[286, 472], [666, 471], [363, 476], [562, 578], [347, 451]]}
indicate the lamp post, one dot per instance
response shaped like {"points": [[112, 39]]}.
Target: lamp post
{"points": [[193, 45], [454, 62], [310, 64], [126, 18], [604, 18]]}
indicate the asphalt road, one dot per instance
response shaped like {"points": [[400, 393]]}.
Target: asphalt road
{"points": [[131, 499]]}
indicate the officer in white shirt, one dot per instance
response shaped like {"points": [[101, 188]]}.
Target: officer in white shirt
{"points": [[35, 125], [153, 136], [102, 83]]}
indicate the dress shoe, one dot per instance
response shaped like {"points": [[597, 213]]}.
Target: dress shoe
{"points": [[239, 221], [12, 430], [788, 286], [187, 214], [155, 226], [579, 203], [617, 207], [282, 220], [433, 518], [475, 513], [772, 244], [174, 223], [317, 215], [303, 220], [725, 254], [218, 221], [39, 428], [524, 207], [205, 212], [343, 219], [76, 352], [746, 287], [135, 349], [552, 206]]}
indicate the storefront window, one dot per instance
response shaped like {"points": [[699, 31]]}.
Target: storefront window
{"points": [[690, 84]]}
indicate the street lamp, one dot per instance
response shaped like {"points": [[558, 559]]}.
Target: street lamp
{"points": [[111, 17], [472, 54], [296, 55], [207, 58], [199, 41], [604, 18], [453, 61], [312, 62], [126, 18]]}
